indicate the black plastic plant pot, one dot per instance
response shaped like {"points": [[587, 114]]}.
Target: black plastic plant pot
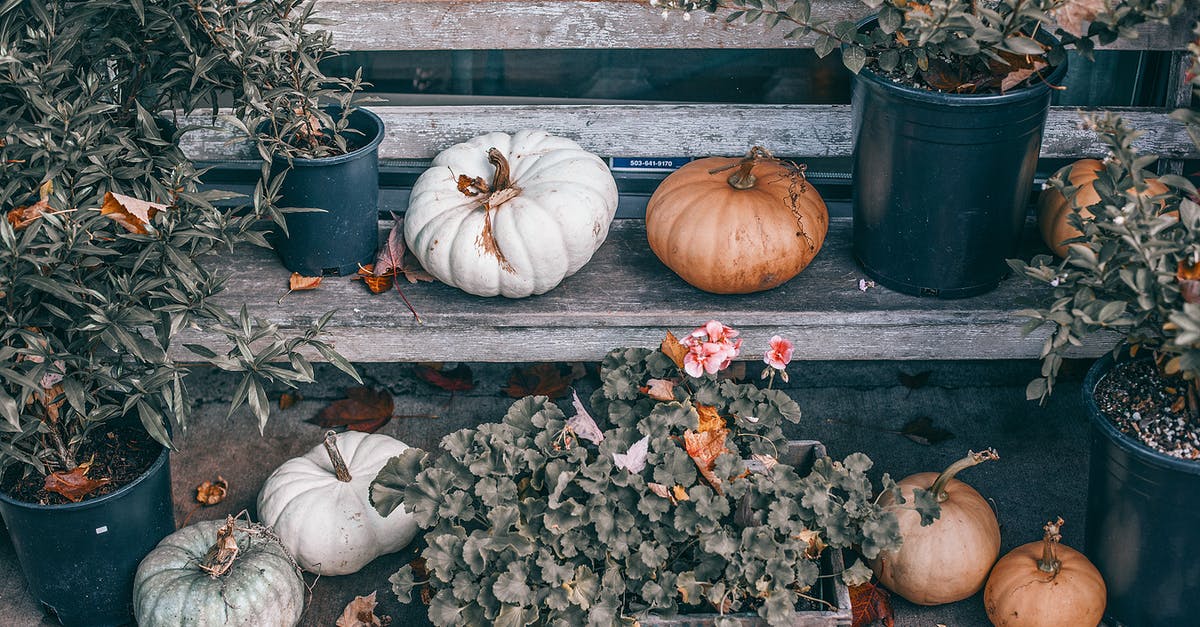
{"points": [[1143, 523], [941, 182], [345, 233], [79, 558]]}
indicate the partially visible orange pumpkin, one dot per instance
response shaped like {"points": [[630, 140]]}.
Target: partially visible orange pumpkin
{"points": [[735, 226], [1045, 584], [950, 559], [1053, 206]]}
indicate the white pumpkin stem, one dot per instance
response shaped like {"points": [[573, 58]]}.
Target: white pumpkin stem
{"points": [[335, 457], [972, 459], [502, 191], [1049, 563], [221, 555]]}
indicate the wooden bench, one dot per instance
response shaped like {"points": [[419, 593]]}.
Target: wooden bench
{"points": [[625, 296]]}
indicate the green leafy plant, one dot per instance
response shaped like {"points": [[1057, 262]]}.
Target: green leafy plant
{"points": [[104, 247], [953, 45], [681, 502]]}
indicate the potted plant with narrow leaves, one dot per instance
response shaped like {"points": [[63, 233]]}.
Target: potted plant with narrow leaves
{"points": [[320, 172], [672, 495], [102, 264], [949, 104], [1134, 269]]}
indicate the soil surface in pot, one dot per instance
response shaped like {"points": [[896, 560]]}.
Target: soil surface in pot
{"points": [[956, 76], [1146, 406], [122, 454]]}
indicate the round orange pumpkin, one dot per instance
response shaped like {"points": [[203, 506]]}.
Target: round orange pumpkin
{"points": [[948, 560], [1053, 206], [1045, 584], [735, 226]]}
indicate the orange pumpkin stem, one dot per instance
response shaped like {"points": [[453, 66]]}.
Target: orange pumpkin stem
{"points": [[972, 459], [742, 178], [335, 457], [1049, 563]]}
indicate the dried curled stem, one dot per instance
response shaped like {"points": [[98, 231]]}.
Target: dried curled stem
{"points": [[500, 191], [1049, 562], [972, 459], [743, 179]]}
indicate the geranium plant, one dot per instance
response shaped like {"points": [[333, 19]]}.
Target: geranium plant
{"points": [[669, 495], [953, 45]]}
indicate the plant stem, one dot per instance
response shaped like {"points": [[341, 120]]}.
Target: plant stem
{"points": [[742, 177], [221, 555], [335, 457], [1049, 562], [972, 459]]}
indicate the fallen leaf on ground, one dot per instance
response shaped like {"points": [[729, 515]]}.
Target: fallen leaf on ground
{"points": [[392, 251], [659, 489], [212, 492], [299, 282], [74, 484], [459, 379], [363, 409], [709, 418], [633, 460], [870, 603], [672, 348], [287, 399], [915, 381], [582, 422], [22, 217], [539, 380], [361, 613], [922, 431], [131, 213], [704, 448], [659, 389], [679, 493], [377, 284]]}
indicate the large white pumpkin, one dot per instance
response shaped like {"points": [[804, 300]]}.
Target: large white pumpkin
{"points": [[512, 215], [324, 516]]}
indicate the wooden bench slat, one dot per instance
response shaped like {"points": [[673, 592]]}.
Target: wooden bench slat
{"points": [[626, 297], [595, 24], [688, 130]]}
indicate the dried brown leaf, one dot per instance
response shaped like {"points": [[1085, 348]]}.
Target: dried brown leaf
{"points": [[659, 489], [361, 613], [363, 409], [287, 399], [709, 419], [542, 379], [131, 213], [74, 484], [377, 284], [22, 217], [704, 448], [212, 492], [298, 282], [1072, 15], [815, 544], [672, 348], [458, 379], [869, 603], [659, 389], [392, 251]]}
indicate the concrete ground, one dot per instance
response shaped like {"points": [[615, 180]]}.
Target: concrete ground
{"points": [[850, 406]]}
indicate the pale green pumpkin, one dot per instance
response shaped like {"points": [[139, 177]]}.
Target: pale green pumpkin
{"points": [[262, 587]]}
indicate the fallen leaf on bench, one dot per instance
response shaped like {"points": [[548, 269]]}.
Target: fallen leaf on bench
{"points": [[131, 213], [74, 484], [392, 251], [363, 409], [361, 613], [458, 379], [922, 431], [212, 492], [377, 284], [539, 380], [287, 399], [870, 603], [299, 282]]}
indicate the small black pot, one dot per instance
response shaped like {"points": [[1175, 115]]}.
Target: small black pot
{"points": [[79, 558], [345, 234], [941, 182], [1143, 523]]}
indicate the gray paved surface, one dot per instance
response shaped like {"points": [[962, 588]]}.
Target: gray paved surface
{"points": [[851, 406]]}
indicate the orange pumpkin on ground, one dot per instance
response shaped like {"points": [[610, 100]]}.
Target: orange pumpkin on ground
{"points": [[1053, 207], [1045, 584], [949, 560], [735, 226]]}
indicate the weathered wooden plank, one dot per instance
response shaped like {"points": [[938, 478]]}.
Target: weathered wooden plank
{"points": [[531, 24], [687, 130], [626, 297]]}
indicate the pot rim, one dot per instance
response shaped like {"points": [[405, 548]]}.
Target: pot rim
{"points": [[1104, 426], [98, 501], [929, 96], [354, 155]]}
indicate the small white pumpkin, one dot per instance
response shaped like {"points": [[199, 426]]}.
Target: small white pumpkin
{"points": [[320, 506], [218, 573], [510, 215]]}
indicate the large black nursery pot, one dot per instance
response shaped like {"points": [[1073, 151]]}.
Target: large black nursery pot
{"points": [[345, 233], [1143, 523], [79, 558], [941, 182]]}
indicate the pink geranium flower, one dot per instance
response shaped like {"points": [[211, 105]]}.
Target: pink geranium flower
{"points": [[711, 348], [780, 354]]}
